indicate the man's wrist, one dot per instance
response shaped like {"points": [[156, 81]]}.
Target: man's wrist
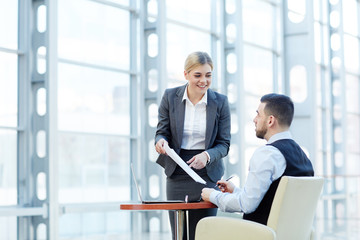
{"points": [[213, 196], [208, 157]]}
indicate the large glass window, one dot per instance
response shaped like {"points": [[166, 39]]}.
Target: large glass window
{"points": [[350, 16], [351, 53], [195, 13], [97, 136], [8, 89], [8, 115], [258, 70], [8, 227], [93, 100], [94, 168], [181, 41], [8, 176], [9, 24], [8, 106], [258, 23], [93, 114], [99, 35], [95, 224]]}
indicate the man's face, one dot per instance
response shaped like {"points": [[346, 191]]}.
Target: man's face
{"points": [[260, 122]]}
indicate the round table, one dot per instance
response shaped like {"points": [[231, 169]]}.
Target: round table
{"points": [[179, 209]]}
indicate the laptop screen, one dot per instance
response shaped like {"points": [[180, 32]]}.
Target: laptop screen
{"points": [[149, 201], [136, 184]]}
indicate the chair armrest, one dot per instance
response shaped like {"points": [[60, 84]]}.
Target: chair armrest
{"points": [[211, 228]]}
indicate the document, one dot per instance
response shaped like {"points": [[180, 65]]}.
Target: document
{"points": [[182, 164]]}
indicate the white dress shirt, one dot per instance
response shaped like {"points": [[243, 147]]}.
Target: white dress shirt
{"points": [[195, 123], [266, 165]]}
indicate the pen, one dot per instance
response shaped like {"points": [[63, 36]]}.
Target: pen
{"points": [[227, 179], [217, 185]]}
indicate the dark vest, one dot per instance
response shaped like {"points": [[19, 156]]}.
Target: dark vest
{"points": [[297, 164]]}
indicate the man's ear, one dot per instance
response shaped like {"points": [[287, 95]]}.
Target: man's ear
{"points": [[271, 120]]}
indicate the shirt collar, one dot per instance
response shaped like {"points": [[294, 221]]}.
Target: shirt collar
{"points": [[203, 99], [279, 136]]}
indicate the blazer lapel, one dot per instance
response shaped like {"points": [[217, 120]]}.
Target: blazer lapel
{"points": [[211, 110], [180, 114]]}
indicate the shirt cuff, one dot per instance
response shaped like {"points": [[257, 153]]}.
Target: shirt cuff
{"points": [[236, 190], [208, 161], [213, 196]]}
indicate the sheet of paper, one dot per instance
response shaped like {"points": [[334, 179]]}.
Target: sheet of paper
{"points": [[183, 165]]}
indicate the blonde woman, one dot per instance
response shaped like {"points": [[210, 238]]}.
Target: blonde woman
{"points": [[194, 121]]}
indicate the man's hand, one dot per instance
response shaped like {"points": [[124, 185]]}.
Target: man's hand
{"points": [[225, 186], [205, 194], [159, 146], [198, 161]]}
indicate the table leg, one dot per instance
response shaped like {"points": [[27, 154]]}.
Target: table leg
{"points": [[179, 224], [187, 225]]}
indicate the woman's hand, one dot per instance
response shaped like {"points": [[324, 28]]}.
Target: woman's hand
{"points": [[198, 161], [159, 146]]}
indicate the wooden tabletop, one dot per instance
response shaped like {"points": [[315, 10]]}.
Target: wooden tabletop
{"points": [[167, 206]]}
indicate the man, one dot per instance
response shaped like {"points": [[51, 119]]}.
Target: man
{"points": [[281, 156]]}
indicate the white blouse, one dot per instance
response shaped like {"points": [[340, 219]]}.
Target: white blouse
{"points": [[195, 123]]}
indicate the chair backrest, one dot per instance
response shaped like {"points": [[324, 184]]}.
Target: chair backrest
{"points": [[294, 206]]}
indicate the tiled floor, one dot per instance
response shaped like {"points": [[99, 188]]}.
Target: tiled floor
{"points": [[351, 232], [326, 231]]}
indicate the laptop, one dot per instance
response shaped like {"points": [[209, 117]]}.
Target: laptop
{"points": [[149, 201]]}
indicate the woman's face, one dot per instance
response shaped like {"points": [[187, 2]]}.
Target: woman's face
{"points": [[199, 79]]}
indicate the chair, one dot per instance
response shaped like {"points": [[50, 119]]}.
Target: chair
{"points": [[291, 215]]}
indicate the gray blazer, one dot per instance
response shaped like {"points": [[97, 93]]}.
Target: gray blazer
{"points": [[217, 136]]}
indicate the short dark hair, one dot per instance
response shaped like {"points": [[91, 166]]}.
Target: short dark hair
{"points": [[280, 106]]}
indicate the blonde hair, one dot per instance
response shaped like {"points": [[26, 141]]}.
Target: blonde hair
{"points": [[197, 58]]}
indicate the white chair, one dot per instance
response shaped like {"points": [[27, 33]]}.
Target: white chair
{"points": [[291, 215]]}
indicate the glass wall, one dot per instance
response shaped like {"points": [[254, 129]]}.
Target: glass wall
{"points": [[351, 43], [8, 114], [96, 73], [261, 30], [337, 72], [93, 115], [187, 30]]}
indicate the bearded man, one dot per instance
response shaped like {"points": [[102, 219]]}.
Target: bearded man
{"points": [[281, 156]]}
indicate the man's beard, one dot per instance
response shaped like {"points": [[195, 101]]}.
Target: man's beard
{"points": [[261, 133]]}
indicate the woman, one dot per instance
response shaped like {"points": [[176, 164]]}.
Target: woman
{"points": [[195, 122]]}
